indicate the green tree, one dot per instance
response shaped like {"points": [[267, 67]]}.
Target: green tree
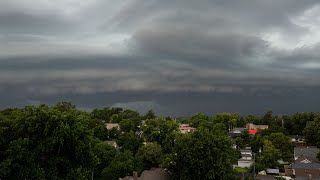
{"points": [[122, 165], [169, 141], [241, 122], [99, 129], [105, 114], [150, 155], [128, 125], [198, 120], [49, 143], [300, 120], [312, 132], [113, 133], [129, 141], [105, 153], [246, 136], [64, 106], [270, 155], [268, 118], [156, 130], [203, 155], [239, 143], [229, 119], [149, 115], [283, 144]]}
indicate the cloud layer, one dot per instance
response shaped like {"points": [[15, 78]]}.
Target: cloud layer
{"points": [[51, 49]]}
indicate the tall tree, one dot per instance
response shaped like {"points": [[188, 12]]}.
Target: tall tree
{"points": [[150, 155], [270, 155], [156, 130], [149, 115], [312, 132], [204, 155], [130, 142], [50, 143], [283, 144], [122, 165]]}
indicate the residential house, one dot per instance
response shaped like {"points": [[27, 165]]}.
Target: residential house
{"points": [[310, 171], [253, 128], [236, 132], [246, 159], [306, 154], [185, 128], [306, 165]]}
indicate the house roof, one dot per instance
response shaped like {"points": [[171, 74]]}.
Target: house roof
{"points": [[306, 152], [306, 160], [246, 155], [155, 174], [262, 126], [112, 125], [306, 166], [246, 150], [238, 130]]}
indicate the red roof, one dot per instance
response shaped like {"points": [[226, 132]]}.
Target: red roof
{"points": [[252, 131]]}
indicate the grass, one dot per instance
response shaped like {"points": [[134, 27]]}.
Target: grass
{"points": [[240, 170]]}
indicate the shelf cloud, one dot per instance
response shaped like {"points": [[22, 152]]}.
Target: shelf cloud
{"points": [[148, 50]]}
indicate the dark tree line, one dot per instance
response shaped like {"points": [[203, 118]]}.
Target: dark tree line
{"points": [[62, 142]]}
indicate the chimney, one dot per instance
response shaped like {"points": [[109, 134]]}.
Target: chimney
{"points": [[135, 175]]}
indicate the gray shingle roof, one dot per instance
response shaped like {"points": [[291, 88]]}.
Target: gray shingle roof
{"points": [[155, 174], [310, 152], [306, 166]]}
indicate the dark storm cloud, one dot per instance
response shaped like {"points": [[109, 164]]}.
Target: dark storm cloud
{"points": [[20, 23], [218, 50], [146, 51]]}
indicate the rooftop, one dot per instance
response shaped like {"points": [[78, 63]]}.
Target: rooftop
{"points": [[306, 166], [306, 152]]}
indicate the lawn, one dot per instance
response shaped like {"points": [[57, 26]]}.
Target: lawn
{"points": [[240, 170]]}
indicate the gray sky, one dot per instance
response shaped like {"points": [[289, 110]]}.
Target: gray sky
{"points": [[177, 57]]}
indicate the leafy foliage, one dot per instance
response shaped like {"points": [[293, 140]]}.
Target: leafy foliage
{"points": [[122, 165], [203, 155], [61, 142], [150, 155]]}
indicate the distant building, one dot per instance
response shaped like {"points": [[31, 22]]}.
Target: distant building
{"points": [[253, 128], [112, 125], [236, 132], [185, 128]]}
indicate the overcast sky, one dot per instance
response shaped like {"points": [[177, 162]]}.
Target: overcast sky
{"points": [[175, 56]]}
